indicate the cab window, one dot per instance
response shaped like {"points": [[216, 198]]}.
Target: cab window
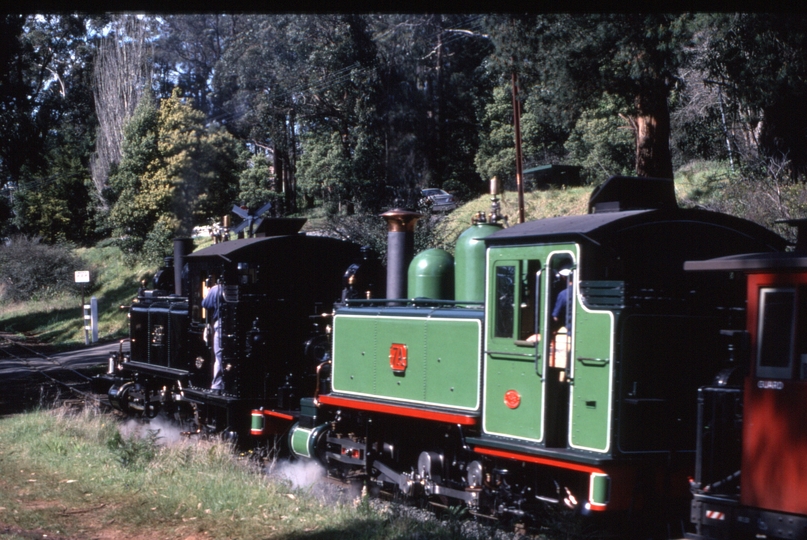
{"points": [[517, 298], [505, 300], [775, 332]]}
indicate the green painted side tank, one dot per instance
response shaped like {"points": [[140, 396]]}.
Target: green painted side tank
{"points": [[469, 262], [431, 275]]}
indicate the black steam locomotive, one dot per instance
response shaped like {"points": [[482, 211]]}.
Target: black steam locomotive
{"points": [[272, 284]]}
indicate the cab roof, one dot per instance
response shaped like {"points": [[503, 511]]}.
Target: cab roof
{"points": [[603, 228]]}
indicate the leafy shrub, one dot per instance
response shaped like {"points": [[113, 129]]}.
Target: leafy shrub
{"points": [[134, 451], [764, 192], [159, 242], [32, 270], [601, 143], [464, 191]]}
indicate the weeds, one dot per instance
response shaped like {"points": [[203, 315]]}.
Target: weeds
{"points": [[134, 452], [563, 524], [454, 518], [55, 465]]}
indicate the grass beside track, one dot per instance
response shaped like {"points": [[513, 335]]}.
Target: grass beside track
{"points": [[77, 474]]}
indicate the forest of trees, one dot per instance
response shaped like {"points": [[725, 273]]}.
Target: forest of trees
{"points": [[138, 127]]}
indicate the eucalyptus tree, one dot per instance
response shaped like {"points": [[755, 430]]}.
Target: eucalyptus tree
{"points": [[432, 89], [186, 52], [758, 62], [46, 124], [341, 113], [294, 85], [571, 62], [36, 60], [252, 83]]}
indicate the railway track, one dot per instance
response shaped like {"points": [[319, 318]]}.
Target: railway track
{"points": [[32, 375]]}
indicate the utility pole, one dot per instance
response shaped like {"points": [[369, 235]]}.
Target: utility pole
{"points": [[517, 129]]}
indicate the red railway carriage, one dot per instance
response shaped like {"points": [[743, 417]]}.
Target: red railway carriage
{"points": [[751, 478]]}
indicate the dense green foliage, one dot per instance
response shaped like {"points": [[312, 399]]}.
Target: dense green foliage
{"points": [[355, 113], [46, 127], [30, 269], [175, 172]]}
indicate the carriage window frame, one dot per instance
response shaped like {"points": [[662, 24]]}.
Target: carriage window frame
{"points": [[776, 342]]}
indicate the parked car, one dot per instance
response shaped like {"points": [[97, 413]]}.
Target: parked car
{"points": [[438, 200], [202, 230]]}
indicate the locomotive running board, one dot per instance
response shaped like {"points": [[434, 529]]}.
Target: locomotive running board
{"points": [[411, 412], [537, 454], [206, 396], [540, 460], [154, 370]]}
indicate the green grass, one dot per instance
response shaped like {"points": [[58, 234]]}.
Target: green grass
{"points": [[59, 320], [78, 473], [537, 205], [702, 183]]}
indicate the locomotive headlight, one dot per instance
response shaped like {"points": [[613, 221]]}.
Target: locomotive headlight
{"points": [[199, 362]]}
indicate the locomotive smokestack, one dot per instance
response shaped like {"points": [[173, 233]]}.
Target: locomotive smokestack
{"points": [[400, 248], [182, 247]]}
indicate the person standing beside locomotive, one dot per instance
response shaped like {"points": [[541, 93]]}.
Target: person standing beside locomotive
{"points": [[212, 303], [562, 319]]}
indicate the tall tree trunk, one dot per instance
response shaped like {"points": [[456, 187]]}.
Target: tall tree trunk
{"points": [[278, 164], [123, 69], [438, 165], [291, 186], [781, 136], [652, 128]]}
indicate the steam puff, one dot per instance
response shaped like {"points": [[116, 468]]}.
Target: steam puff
{"points": [[167, 434], [310, 476], [301, 474]]}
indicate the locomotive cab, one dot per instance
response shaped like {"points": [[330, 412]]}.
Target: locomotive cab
{"points": [[606, 406]]}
